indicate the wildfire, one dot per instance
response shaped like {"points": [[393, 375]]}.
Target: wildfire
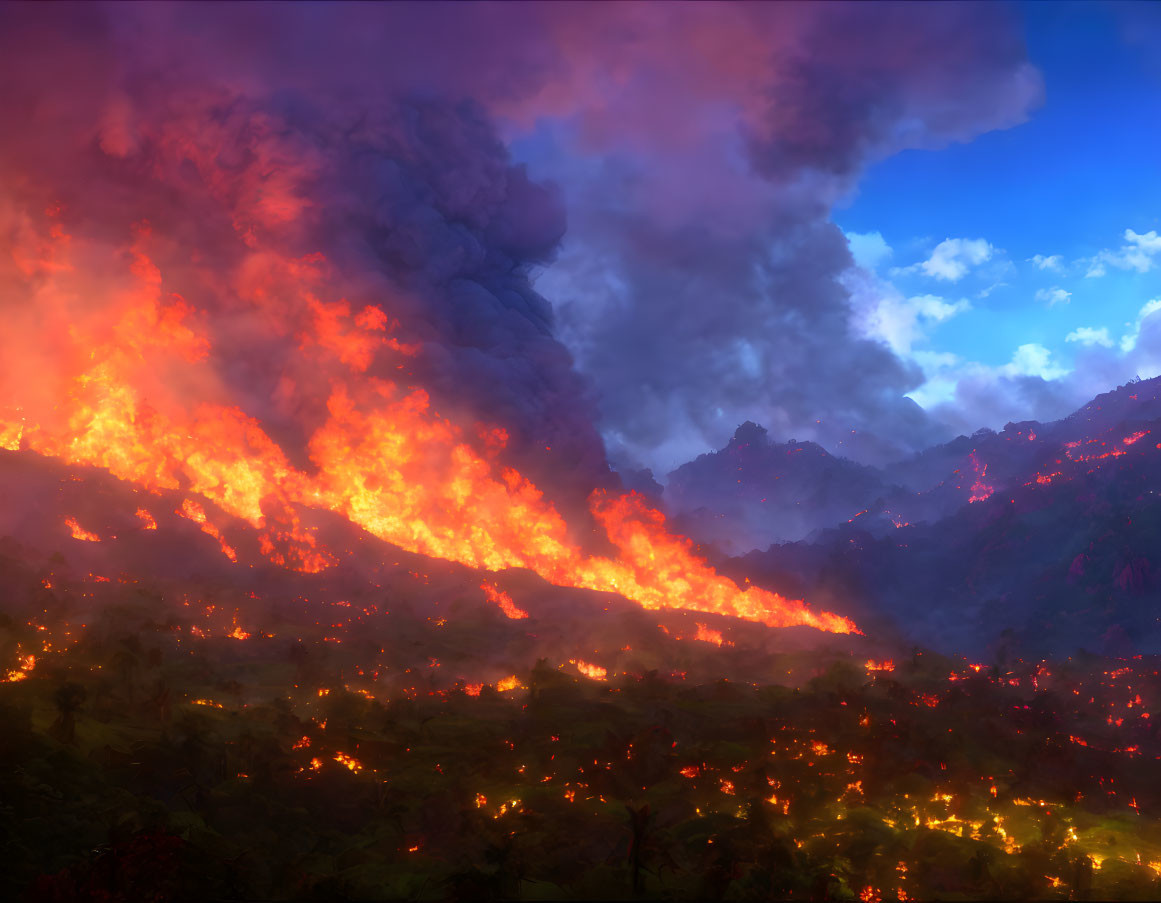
{"points": [[378, 454], [146, 519]]}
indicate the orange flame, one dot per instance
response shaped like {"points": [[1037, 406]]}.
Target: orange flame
{"points": [[498, 597], [193, 511], [709, 635], [592, 672], [10, 434], [78, 532]]}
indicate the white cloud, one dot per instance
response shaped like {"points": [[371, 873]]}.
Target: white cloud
{"points": [[1033, 360], [868, 248], [884, 313], [1053, 296], [1149, 242], [1139, 253], [1088, 336], [1129, 339], [953, 257], [968, 394], [1054, 262]]}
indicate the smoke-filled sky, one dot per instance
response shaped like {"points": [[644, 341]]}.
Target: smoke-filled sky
{"points": [[870, 225]]}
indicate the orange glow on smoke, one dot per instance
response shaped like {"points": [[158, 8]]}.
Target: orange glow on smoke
{"points": [[378, 455]]}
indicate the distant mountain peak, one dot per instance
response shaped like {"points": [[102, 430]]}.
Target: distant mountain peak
{"points": [[750, 433]]}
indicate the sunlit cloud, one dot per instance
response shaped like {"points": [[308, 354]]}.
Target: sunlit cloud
{"points": [[1053, 262], [1088, 336], [1139, 254], [952, 258], [1053, 296]]}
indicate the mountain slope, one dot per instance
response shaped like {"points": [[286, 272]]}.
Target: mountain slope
{"points": [[755, 492], [1057, 543]]}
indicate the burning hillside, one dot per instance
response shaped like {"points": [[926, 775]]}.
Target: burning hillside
{"points": [[138, 378]]}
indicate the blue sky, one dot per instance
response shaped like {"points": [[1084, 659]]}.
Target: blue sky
{"points": [[1065, 185]]}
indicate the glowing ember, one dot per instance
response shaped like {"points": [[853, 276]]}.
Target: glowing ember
{"points": [[25, 664], [79, 532], [885, 665], [352, 763], [500, 598], [980, 490]]}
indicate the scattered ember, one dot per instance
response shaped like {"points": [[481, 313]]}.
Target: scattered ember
{"points": [[352, 763]]}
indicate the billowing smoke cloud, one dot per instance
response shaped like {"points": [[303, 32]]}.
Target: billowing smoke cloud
{"points": [[399, 199], [699, 149], [698, 284]]}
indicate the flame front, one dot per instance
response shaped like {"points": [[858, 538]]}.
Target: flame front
{"points": [[145, 403]]}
